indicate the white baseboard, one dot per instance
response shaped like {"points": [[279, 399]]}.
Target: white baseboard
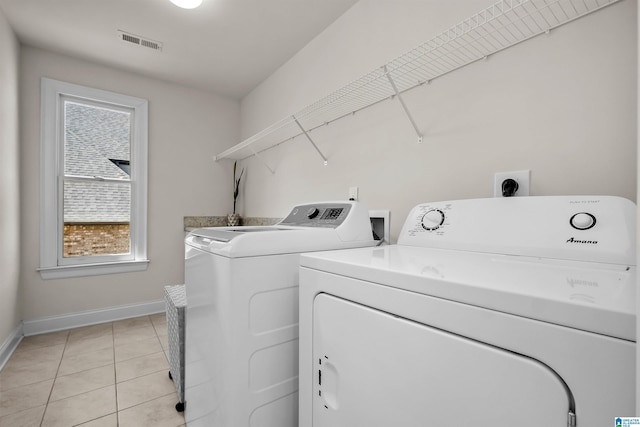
{"points": [[10, 344], [91, 317]]}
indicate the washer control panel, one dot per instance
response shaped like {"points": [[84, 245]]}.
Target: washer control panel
{"points": [[587, 228], [324, 215]]}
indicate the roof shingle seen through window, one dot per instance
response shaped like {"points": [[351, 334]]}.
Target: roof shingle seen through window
{"points": [[93, 136]]}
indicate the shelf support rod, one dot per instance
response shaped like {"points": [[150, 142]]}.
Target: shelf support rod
{"points": [[404, 106], [310, 140], [255, 153]]}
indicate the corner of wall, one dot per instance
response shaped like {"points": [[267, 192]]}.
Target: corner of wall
{"points": [[638, 233], [10, 306]]}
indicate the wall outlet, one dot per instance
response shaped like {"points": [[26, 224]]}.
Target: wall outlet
{"points": [[353, 193], [521, 177]]}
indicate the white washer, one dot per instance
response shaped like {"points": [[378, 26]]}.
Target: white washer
{"points": [[242, 313], [514, 311]]}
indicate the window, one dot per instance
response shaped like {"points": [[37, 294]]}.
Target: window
{"points": [[93, 181]]}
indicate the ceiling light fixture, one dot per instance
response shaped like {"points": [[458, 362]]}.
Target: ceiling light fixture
{"points": [[187, 4]]}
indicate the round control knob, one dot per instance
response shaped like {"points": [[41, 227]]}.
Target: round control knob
{"points": [[582, 221], [312, 213], [433, 219]]}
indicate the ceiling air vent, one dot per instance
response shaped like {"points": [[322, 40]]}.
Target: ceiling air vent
{"points": [[140, 41]]}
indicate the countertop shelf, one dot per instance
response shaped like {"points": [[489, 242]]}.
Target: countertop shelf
{"points": [[498, 27]]}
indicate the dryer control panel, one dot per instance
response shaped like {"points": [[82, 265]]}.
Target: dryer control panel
{"points": [[583, 228]]}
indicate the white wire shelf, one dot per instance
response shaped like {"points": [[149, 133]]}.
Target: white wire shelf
{"points": [[498, 27]]}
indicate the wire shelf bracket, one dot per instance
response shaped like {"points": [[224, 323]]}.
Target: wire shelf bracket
{"points": [[310, 140], [259, 157], [404, 106], [494, 29]]}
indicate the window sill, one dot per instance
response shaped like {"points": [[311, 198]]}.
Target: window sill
{"points": [[61, 272]]}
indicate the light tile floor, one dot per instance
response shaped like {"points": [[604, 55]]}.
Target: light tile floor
{"points": [[108, 375]]}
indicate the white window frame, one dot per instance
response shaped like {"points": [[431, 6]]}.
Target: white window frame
{"points": [[52, 266]]}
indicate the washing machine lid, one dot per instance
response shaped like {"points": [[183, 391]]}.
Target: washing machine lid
{"points": [[309, 227], [226, 234], [598, 298]]}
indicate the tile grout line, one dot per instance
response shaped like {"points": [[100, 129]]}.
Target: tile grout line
{"points": [[115, 376], [168, 362], [155, 330], [148, 401], [69, 397], [160, 341], [55, 377]]}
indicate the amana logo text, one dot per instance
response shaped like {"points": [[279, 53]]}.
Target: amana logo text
{"points": [[588, 242]]}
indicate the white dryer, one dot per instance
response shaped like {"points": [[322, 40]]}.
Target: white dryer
{"points": [[514, 311], [241, 351]]}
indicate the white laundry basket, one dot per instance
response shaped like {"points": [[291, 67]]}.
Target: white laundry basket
{"points": [[176, 302]]}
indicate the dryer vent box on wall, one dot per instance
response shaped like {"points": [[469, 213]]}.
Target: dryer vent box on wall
{"points": [[380, 225]]}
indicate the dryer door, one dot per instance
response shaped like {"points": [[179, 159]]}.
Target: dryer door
{"points": [[376, 369]]}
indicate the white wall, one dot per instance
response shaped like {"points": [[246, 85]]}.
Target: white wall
{"points": [[563, 106], [10, 309], [186, 127], [638, 234]]}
